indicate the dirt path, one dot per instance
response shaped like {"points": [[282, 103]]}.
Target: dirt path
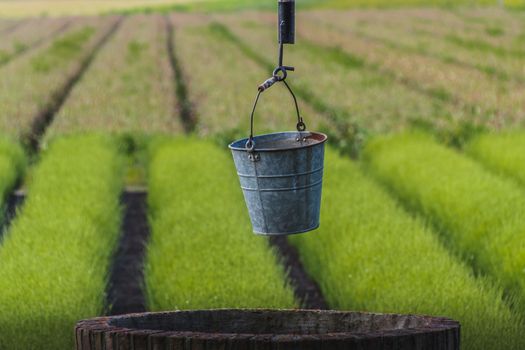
{"points": [[125, 288], [305, 288]]}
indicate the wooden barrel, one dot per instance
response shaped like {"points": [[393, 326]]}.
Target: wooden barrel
{"points": [[267, 329]]}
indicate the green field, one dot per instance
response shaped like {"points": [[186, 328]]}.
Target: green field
{"points": [[474, 209], [371, 255], [202, 217], [61, 251], [424, 194]]}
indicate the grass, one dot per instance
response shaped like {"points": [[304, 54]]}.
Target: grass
{"points": [[491, 28], [343, 82], [495, 31], [30, 83], [478, 98], [477, 212], [62, 50], [371, 255], [202, 253], [502, 153], [54, 260], [222, 98], [408, 36], [128, 88], [483, 46], [6, 56], [29, 35], [337, 123]]}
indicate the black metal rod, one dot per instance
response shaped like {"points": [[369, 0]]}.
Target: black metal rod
{"points": [[286, 21], [281, 54]]}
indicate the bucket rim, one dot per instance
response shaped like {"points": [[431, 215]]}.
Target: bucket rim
{"points": [[323, 139]]}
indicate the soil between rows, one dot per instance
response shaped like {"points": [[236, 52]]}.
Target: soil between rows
{"points": [[305, 288], [125, 290], [13, 203], [125, 285], [125, 293]]}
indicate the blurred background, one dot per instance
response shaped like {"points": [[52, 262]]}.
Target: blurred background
{"points": [[363, 67]]}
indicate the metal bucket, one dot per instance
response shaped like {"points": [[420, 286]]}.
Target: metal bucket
{"points": [[281, 177]]}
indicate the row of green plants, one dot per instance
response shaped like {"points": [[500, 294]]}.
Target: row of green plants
{"points": [[222, 90], [27, 36], [55, 256], [472, 94], [370, 254], [376, 102], [326, 74], [448, 48], [503, 153], [318, 114], [478, 213], [33, 82], [141, 64], [127, 88], [202, 253]]}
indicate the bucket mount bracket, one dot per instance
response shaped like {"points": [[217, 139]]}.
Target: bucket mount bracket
{"points": [[254, 157]]}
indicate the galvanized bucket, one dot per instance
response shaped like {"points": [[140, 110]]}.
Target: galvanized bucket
{"points": [[281, 179], [281, 174]]}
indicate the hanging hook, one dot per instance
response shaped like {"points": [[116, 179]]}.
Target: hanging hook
{"points": [[280, 73], [286, 36]]}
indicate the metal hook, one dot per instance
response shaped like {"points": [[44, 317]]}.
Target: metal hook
{"points": [[280, 73]]}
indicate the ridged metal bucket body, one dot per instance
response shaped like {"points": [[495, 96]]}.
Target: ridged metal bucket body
{"points": [[282, 181]]}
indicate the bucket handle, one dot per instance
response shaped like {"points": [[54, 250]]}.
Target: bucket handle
{"points": [[301, 126]]}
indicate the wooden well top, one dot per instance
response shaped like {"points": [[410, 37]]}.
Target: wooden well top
{"points": [[267, 329]]}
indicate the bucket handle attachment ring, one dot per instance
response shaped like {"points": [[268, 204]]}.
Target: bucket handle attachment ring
{"points": [[276, 77], [250, 145]]}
